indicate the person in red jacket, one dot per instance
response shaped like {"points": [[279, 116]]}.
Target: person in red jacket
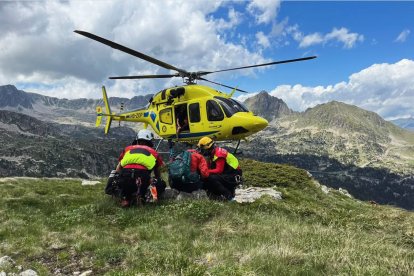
{"points": [[136, 163], [198, 166], [225, 173]]}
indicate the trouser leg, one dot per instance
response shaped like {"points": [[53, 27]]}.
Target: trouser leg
{"points": [[160, 185], [176, 184], [143, 183], [186, 187], [128, 187], [216, 185], [229, 181]]}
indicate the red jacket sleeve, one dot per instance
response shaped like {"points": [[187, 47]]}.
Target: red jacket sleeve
{"points": [[203, 168], [219, 166], [198, 164]]}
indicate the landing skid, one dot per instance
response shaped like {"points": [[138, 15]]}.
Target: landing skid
{"points": [[237, 147]]}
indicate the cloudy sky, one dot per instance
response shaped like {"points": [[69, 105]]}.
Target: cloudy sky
{"points": [[365, 49]]}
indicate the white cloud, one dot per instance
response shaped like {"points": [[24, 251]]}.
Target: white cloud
{"points": [[262, 39], [310, 40], [387, 89], [265, 11], [344, 36], [341, 35], [38, 45], [402, 37]]}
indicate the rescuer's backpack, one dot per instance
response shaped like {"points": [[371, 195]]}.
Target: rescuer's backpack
{"points": [[180, 169]]}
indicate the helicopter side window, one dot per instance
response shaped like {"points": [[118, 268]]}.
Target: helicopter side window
{"points": [[194, 109], [214, 112], [166, 116]]}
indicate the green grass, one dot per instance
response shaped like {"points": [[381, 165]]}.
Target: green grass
{"points": [[50, 224]]}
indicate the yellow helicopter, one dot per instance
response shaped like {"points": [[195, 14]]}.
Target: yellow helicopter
{"points": [[187, 112]]}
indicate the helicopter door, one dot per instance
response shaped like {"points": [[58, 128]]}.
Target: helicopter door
{"points": [[215, 115], [181, 115], [196, 125]]}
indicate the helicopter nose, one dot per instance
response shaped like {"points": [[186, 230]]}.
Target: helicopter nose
{"points": [[246, 124], [259, 123]]}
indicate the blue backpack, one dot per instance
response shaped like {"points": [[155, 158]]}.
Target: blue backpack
{"points": [[180, 169]]}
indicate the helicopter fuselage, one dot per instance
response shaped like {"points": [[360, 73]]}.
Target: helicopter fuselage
{"points": [[203, 111]]}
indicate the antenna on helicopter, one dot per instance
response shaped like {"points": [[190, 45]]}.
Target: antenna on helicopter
{"points": [[188, 77]]}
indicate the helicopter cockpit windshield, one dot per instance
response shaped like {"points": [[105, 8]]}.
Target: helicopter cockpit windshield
{"points": [[230, 106]]}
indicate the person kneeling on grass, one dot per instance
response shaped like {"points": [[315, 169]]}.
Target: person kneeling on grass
{"points": [[136, 163], [225, 173], [187, 171]]}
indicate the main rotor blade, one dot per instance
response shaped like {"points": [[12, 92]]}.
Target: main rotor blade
{"points": [[257, 65], [223, 85], [130, 51], [144, 77]]}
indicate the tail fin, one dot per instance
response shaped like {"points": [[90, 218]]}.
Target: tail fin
{"points": [[108, 124], [105, 99], [98, 116], [108, 110]]}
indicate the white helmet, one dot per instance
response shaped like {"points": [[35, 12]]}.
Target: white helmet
{"points": [[145, 134]]}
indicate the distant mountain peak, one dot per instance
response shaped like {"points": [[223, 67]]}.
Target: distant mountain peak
{"points": [[267, 106], [406, 123], [345, 118]]}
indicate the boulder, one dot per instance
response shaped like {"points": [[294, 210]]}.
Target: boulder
{"points": [[86, 273], [251, 194], [177, 195], [6, 262], [28, 272], [170, 193], [345, 192]]}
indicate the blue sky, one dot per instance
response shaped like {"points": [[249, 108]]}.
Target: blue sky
{"points": [[365, 49], [380, 24]]}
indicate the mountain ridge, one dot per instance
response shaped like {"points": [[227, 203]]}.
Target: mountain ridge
{"points": [[53, 109]]}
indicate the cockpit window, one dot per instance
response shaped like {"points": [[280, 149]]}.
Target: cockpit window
{"points": [[231, 106], [227, 106], [214, 112], [240, 106]]}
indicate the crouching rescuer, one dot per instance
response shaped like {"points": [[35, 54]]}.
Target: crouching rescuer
{"points": [[136, 163], [187, 171], [224, 171]]}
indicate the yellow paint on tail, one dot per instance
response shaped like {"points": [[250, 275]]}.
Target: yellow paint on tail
{"points": [[98, 116]]}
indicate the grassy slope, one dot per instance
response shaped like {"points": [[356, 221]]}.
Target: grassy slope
{"points": [[59, 224]]}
